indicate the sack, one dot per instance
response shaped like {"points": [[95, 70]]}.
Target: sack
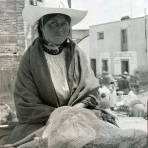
{"points": [[70, 127]]}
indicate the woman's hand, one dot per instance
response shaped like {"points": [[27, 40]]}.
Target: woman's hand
{"points": [[82, 105]]}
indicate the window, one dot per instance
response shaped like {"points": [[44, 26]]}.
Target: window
{"points": [[104, 65], [100, 35], [124, 66], [34, 2], [124, 40], [93, 65]]}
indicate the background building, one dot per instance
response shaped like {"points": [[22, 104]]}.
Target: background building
{"points": [[81, 37], [119, 46]]}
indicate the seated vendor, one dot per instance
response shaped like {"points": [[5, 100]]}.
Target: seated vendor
{"points": [[54, 71]]}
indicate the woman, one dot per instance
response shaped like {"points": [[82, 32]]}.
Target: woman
{"points": [[53, 72]]}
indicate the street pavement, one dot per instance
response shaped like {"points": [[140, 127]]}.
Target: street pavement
{"points": [[133, 123]]}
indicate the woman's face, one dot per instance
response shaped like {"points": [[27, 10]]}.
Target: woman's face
{"points": [[56, 29]]}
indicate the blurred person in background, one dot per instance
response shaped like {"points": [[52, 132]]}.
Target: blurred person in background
{"points": [[108, 91], [123, 84]]}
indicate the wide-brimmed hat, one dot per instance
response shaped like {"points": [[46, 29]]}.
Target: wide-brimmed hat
{"points": [[32, 13]]}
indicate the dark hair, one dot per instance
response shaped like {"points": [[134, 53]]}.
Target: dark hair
{"points": [[48, 17]]}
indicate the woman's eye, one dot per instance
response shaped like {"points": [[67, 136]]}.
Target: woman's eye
{"points": [[52, 24], [55, 24], [64, 24]]}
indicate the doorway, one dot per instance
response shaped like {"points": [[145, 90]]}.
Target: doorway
{"points": [[104, 65], [124, 66], [93, 65]]}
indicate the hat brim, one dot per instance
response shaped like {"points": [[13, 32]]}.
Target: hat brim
{"points": [[32, 14]]}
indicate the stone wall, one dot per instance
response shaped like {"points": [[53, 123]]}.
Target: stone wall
{"points": [[12, 39], [12, 45], [8, 69], [11, 26]]}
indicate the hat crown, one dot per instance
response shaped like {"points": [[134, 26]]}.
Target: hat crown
{"points": [[35, 9], [53, 3]]}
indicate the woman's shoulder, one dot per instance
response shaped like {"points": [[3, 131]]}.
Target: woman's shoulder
{"points": [[82, 54], [32, 47], [27, 53], [78, 49]]}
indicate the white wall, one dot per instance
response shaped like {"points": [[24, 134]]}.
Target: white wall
{"points": [[110, 46]]}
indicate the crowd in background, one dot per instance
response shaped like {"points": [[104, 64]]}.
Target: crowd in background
{"points": [[118, 94]]}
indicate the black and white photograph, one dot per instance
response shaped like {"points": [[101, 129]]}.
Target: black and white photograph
{"points": [[73, 73]]}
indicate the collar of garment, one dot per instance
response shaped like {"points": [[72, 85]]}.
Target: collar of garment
{"points": [[53, 49]]}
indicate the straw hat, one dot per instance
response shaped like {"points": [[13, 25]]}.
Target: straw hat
{"points": [[32, 13]]}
